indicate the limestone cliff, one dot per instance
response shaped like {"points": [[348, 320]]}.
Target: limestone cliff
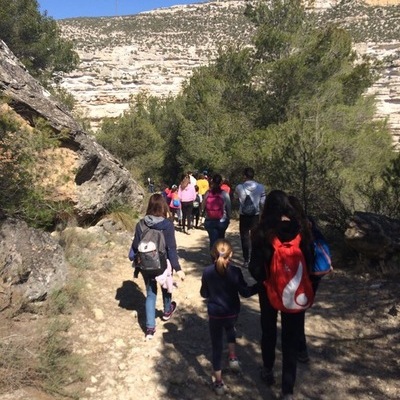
{"points": [[157, 51]]}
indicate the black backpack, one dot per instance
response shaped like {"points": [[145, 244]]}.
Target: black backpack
{"points": [[152, 252], [248, 207]]}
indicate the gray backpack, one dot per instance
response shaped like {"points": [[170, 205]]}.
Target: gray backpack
{"points": [[152, 252]]}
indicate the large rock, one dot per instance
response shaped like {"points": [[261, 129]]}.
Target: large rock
{"points": [[375, 237], [32, 264], [96, 178]]}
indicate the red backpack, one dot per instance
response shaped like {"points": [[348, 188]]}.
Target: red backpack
{"points": [[214, 205], [288, 285]]}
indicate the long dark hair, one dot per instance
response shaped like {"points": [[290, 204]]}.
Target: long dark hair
{"points": [[157, 206], [276, 206], [216, 182]]}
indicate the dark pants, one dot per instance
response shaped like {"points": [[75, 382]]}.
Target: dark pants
{"points": [[196, 216], [315, 280], [292, 324], [246, 224], [187, 207], [217, 327]]}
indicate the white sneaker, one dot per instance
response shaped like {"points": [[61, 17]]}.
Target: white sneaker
{"points": [[219, 388], [234, 365]]}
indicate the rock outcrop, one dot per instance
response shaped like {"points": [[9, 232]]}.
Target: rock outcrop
{"points": [[375, 237], [96, 179], [157, 51], [32, 264]]}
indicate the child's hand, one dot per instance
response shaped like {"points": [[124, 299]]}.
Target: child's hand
{"points": [[181, 275]]}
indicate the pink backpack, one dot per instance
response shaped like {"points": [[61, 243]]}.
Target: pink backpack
{"points": [[214, 205]]}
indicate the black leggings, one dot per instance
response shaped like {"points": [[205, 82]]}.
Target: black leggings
{"points": [[217, 327], [291, 330], [187, 207]]}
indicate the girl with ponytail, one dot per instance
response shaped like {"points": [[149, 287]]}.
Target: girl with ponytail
{"points": [[221, 284]]}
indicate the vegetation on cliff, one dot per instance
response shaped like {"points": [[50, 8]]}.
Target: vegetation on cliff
{"points": [[292, 105]]}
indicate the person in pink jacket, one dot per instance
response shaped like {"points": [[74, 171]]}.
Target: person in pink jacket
{"points": [[187, 194]]}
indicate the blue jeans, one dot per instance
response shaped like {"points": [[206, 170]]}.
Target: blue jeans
{"points": [[215, 229], [151, 297]]}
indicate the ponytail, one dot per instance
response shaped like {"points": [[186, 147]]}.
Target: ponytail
{"points": [[221, 253]]}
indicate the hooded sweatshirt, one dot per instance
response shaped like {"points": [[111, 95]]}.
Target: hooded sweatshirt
{"points": [[255, 190], [167, 227]]}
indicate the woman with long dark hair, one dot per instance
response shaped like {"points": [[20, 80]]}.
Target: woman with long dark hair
{"points": [[278, 220], [157, 218], [216, 208]]}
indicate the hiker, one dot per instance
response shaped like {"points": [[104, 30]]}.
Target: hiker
{"points": [[196, 208], [278, 220], [216, 209], [175, 204], [203, 184], [157, 218], [251, 196], [187, 194], [221, 284], [306, 223]]}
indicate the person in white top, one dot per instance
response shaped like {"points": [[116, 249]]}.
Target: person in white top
{"points": [[251, 195], [193, 180]]}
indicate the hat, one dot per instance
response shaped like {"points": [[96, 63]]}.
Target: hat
{"points": [[174, 186]]}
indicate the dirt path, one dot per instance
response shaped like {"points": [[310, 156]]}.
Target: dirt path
{"points": [[353, 334]]}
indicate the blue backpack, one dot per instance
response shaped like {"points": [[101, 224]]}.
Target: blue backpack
{"points": [[322, 255]]}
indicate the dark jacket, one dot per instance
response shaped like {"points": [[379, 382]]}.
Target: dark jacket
{"points": [[222, 291], [262, 250], [167, 227]]}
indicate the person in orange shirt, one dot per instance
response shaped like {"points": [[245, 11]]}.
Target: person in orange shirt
{"points": [[225, 186]]}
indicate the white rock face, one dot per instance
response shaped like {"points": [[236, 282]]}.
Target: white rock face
{"points": [[156, 52]]}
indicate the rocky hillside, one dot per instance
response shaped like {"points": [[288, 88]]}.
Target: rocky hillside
{"points": [[157, 51]]}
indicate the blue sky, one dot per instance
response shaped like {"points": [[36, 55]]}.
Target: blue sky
{"points": [[59, 9]]}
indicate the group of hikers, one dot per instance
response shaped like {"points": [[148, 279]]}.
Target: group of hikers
{"points": [[277, 241]]}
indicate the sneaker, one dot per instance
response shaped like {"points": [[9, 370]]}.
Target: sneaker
{"points": [[167, 315], [219, 388], [302, 357], [234, 364], [287, 396], [245, 265], [150, 333], [267, 375]]}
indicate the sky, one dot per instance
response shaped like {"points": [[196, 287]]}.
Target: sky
{"points": [[59, 9]]}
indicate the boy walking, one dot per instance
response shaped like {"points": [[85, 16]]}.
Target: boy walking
{"points": [[251, 195]]}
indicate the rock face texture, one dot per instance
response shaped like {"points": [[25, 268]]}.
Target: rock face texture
{"points": [[157, 51], [96, 180], [32, 264]]}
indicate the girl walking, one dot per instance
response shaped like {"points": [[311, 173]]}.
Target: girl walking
{"points": [[157, 218], [221, 284]]}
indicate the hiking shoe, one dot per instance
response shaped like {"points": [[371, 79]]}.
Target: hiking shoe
{"points": [[267, 375], [287, 396], [219, 388], [150, 333], [302, 357], [234, 364], [167, 315]]}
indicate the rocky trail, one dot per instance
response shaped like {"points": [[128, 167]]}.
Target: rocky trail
{"points": [[353, 335]]}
